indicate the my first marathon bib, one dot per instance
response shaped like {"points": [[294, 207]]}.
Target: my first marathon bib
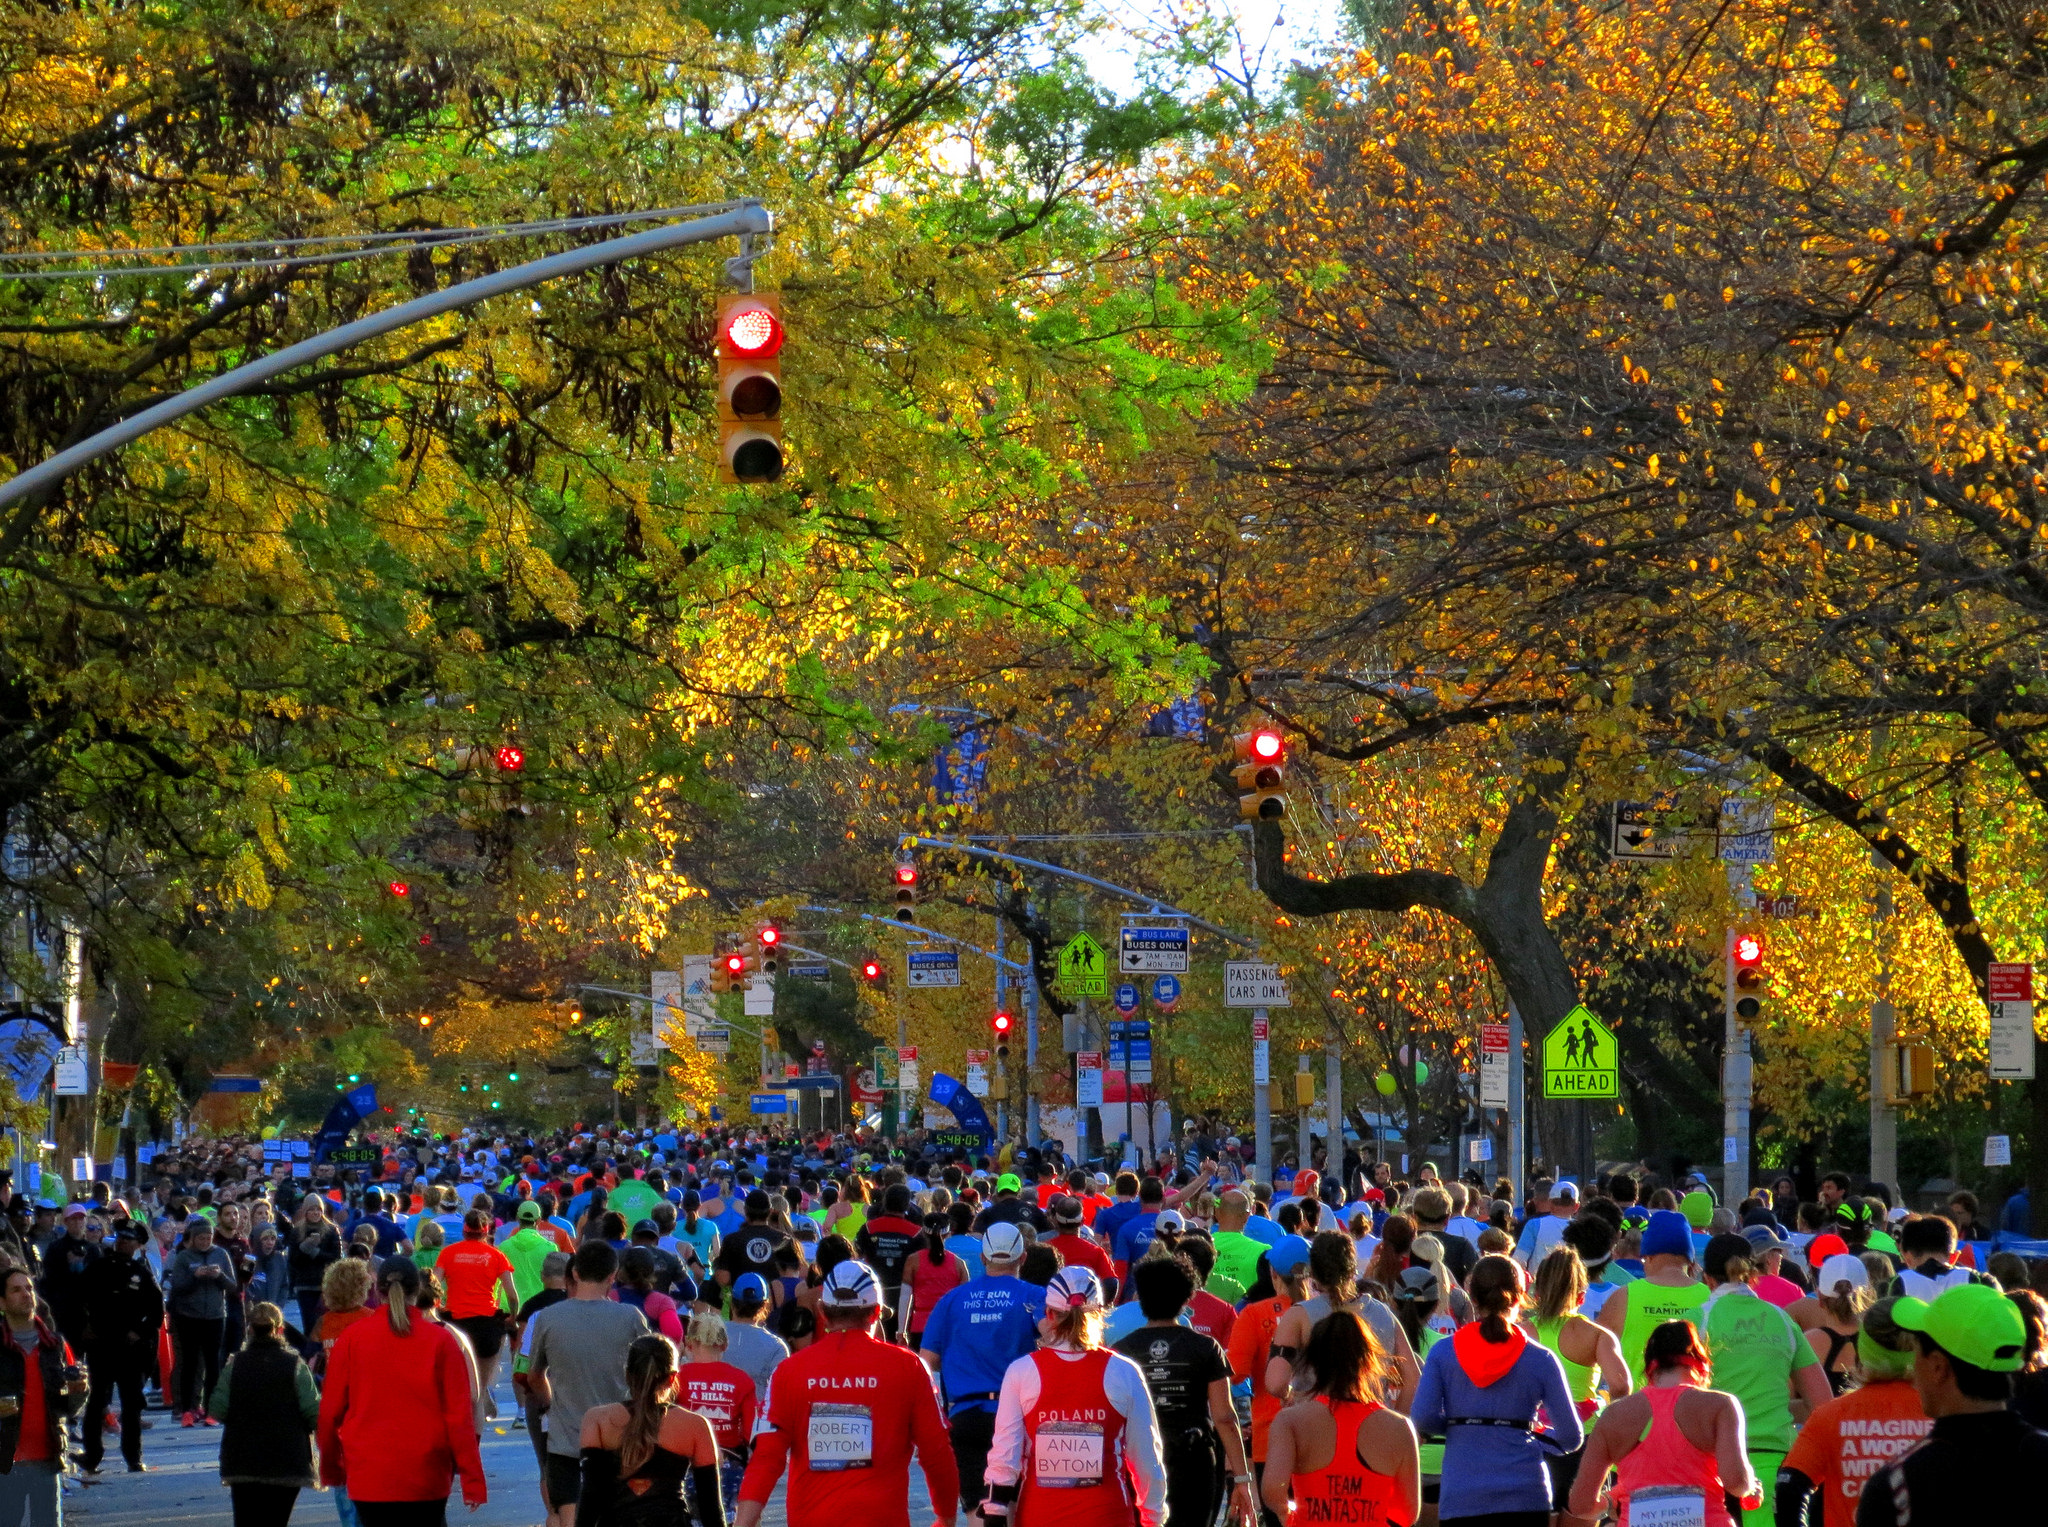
{"points": [[1067, 1455], [1667, 1506], [841, 1437]]}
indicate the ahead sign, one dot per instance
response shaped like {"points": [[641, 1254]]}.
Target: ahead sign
{"points": [[1252, 983]]}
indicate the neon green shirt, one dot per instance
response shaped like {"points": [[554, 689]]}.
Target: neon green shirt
{"points": [[1756, 1349]]}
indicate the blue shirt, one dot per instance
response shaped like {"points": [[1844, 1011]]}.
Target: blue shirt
{"points": [[732, 1219], [1109, 1221], [968, 1249], [1126, 1318], [978, 1330], [2013, 1218], [1135, 1236], [1260, 1228], [1490, 1469]]}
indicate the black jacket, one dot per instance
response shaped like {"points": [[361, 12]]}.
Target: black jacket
{"points": [[122, 1299], [266, 1439], [64, 1285], [1972, 1471], [308, 1268], [51, 1357]]}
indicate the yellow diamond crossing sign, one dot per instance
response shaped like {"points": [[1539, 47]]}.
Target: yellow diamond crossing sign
{"points": [[1580, 1058], [1084, 968]]}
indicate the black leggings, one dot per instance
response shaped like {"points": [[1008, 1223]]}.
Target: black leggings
{"points": [[263, 1505], [198, 1358], [402, 1513]]}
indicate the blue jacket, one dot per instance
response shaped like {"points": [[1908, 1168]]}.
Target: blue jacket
{"points": [[1491, 1469]]}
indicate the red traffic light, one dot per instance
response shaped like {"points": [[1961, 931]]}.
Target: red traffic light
{"points": [[1749, 949], [399, 888], [735, 964], [511, 759], [1267, 745], [770, 936], [871, 970], [906, 874], [752, 330], [1002, 1023]]}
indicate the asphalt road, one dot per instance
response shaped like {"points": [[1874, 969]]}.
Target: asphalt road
{"points": [[183, 1488]]}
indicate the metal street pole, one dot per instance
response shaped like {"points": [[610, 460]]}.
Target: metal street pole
{"points": [[1333, 1101], [1302, 1154], [1031, 1135], [1737, 1070], [1518, 1106], [746, 218], [1002, 1071], [1262, 1098]]}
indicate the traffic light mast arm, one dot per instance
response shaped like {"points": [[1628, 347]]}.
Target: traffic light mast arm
{"points": [[744, 218], [1152, 905], [914, 930]]}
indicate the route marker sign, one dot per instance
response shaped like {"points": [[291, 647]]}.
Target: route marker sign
{"points": [[1580, 1058], [1084, 968]]}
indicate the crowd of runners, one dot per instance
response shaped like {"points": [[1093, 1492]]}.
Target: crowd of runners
{"points": [[691, 1322]]}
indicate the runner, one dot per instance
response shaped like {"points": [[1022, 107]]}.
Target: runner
{"points": [[268, 1407], [1077, 1441], [1666, 1291], [1481, 1391], [725, 1397], [1251, 1346], [1760, 1357], [1344, 1456], [637, 1455], [1675, 1441], [578, 1360], [1840, 1447], [482, 1297], [1333, 1264], [1589, 1354], [932, 1273], [846, 1414], [975, 1333], [1189, 1379], [1981, 1463]]}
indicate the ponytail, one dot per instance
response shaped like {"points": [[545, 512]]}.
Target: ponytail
{"points": [[1496, 1291], [398, 1308], [650, 1375]]}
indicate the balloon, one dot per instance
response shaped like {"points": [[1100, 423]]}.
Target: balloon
{"points": [[1422, 1073], [1406, 1055], [1385, 1082]]}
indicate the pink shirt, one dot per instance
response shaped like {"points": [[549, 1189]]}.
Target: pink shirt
{"points": [[1782, 1292]]}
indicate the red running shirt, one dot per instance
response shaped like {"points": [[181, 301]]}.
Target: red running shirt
{"points": [[1074, 1449], [722, 1395], [845, 1415], [1344, 1490], [471, 1270]]}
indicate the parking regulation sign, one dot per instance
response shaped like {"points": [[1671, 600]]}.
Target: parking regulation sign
{"points": [[934, 967], [1148, 951]]}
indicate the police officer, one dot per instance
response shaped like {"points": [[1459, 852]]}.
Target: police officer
{"points": [[124, 1310]]}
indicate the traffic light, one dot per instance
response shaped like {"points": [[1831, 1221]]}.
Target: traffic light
{"points": [[769, 942], [750, 388], [1001, 1024], [511, 1076], [399, 889], [511, 759], [871, 970], [1909, 1071], [1304, 1089], [904, 883], [1261, 771], [735, 966], [462, 1084], [1746, 970]]}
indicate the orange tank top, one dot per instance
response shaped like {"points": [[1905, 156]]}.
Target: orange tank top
{"points": [[1344, 1492], [1675, 1481]]}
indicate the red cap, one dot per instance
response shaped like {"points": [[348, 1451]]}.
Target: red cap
{"points": [[1821, 1247], [1375, 1196]]}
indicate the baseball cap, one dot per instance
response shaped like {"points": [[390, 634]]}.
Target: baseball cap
{"points": [[1975, 1323], [1287, 1254], [1170, 1222], [1002, 1243], [1102, 1179], [1842, 1267], [1763, 1238], [529, 1213], [77, 1209], [749, 1288], [1417, 1285], [1009, 1182], [1667, 1235], [1565, 1193], [1821, 1247], [646, 1227], [1375, 1196], [1066, 1210], [1073, 1288], [849, 1286]]}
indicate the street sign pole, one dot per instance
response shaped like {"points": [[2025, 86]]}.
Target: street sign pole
{"points": [[1031, 1136], [1262, 1102], [1518, 1104]]}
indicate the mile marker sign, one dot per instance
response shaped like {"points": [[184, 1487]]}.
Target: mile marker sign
{"points": [[1580, 1058]]}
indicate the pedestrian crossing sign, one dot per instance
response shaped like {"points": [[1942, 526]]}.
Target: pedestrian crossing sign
{"points": [[1084, 968], [1580, 1058]]}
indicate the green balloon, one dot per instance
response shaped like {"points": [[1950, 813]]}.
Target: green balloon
{"points": [[1385, 1082], [1422, 1073]]}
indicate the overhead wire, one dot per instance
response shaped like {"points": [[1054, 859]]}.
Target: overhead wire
{"points": [[402, 241]]}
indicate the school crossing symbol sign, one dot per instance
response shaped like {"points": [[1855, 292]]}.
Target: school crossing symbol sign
{"points": [[1580, 1058]]}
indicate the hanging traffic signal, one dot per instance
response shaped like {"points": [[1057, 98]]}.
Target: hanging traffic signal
{"points": [[511, 1076], [905, 889], [769, 941], [462, 1084], [871, 970], [1261, 772], [1746, 971], [736, 967], [1001, 1024], [750, 388]]}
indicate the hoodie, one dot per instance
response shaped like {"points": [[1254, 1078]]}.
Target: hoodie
{"points": [[1491, 1469]]}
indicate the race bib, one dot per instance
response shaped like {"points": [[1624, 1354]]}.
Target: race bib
{"points": [[1666, 1506], [841, 1437], [1068, 1454]]}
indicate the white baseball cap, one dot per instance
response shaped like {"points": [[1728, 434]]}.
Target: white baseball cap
{"points": [[1841, 1268], [851, 1286], [1002, 1242], [1171, 1222]]}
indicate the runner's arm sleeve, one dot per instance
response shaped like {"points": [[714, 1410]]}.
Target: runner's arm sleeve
{"points": [[710, 1508], [1794, 1491], [771, 1450], [1124, 1386], [1006, 1451], [600, 1480]]}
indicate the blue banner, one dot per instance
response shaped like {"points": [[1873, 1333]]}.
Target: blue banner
{"points": [[349, 1110], [953, 1096]]}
